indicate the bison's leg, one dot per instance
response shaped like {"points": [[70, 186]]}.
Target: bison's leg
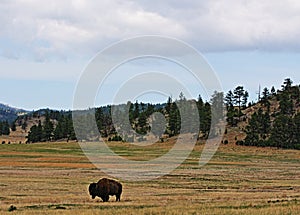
{"points": [[104, 198], [118, 197]]}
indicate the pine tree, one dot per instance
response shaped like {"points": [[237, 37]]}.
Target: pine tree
{"points": [[13, 126], [47, 128], [4, 128], [281, 134], [258, 129], [231, 111], [240, 98]]}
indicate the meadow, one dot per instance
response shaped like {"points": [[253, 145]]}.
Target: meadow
{"points": [[52, 178]]}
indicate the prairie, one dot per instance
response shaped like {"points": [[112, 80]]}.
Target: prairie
{"points": [[52, 178]]}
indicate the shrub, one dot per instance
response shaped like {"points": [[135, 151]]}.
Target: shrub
{"points": [[12, 208], [240, 143]]}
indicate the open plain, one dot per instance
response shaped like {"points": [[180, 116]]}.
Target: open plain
{"points": [[52, 178]]}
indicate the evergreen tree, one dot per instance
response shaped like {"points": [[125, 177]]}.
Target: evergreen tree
{"points": [[13, 126], [265, 98], [205, 123], [99, 118], [35, 134], [258, 129], [168, 105], [295, 131], [4, 128], [240, 98], [281, 134], [217, 110], [287, 84], [231, 111], [174, 120], [273, 91], [47, 128], [286, 103]]}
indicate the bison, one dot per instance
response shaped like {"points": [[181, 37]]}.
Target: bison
{"points": [[104, 188]]}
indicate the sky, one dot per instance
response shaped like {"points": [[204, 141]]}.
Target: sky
{"points": [[45, 47]]}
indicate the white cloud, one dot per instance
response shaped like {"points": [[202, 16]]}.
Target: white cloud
{"points": [[63, 29]]}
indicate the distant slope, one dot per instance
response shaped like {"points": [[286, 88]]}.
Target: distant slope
{"points": [[10, 113]]}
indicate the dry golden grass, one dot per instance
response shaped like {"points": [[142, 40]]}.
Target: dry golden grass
{"points": [[52, 178]]}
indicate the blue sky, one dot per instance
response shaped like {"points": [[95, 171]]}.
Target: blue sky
{"points": [[45, 47]]}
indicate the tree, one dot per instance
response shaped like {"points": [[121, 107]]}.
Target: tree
{"points": [[258, 129], [296, 133], [4, 128], [174, 120], [287, 84], [24, 125], [245, 99], [286, 104], [240, 98], [47, 128], [205, 122], [273, 91], [281, 134], [231, 112], [265, 94], [35, 134], [142, 123], [217, 111], [217, 105], [265, 97], [168, 105], [229, 100], [13, 126]]}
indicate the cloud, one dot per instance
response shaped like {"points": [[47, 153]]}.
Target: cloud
{"points": [[66, 29]]}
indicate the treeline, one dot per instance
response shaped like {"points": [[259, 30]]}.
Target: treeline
{"points": [[138, 115], [278, 127]]}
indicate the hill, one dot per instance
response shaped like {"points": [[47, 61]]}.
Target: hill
{"points": [[10, 114], [272, 121]]}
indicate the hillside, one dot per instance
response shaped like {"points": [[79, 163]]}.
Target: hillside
{"points": [[273, 121], [10, 114], [253, 124]]}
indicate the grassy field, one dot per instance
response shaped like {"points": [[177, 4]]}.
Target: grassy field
{"points": [[52, 178]]}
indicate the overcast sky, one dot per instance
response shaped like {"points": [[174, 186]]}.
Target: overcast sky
{"points": [[44, 46]]}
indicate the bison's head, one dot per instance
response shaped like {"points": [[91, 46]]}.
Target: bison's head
{"points": [[93, 190]]}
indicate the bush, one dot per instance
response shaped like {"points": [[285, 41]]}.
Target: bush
{"points": [[240, 143], [12, 208], [116, 138], [297, 146]]}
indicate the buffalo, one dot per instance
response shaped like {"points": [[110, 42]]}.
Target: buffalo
{"points": [[104, 188]]}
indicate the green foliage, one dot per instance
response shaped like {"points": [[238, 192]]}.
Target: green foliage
{"points": [[12, 208], [64, 129], [281, 129], [258, 128], [235, 102], [46, 131], [204, 110], [4, 128]]}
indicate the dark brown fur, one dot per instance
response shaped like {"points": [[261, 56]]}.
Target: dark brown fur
{"points": [[104, 188]]}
